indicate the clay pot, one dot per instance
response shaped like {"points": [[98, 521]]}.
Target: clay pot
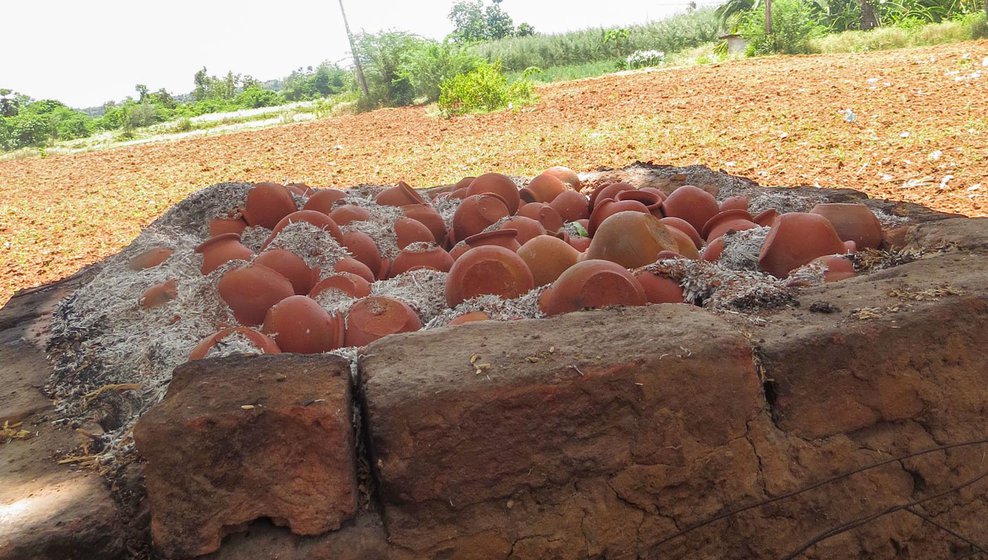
{"points": [[837, 268], [571, 206], [713, 250], [159, 294], [351, 284], [267, 203], [605, 191], [734, 203], [263, 342], [631, 239], [150, 258], [318, 219], [410, 231], [796, 239], [487, 270], [608, 207], [429, 216], [728, 220], [301, 189], [471, 317], [347, 213], [853, 222], [363, 248], [475, 213], [659, 289], [685, 227], [581, 244], [684, 245], [399, 195], [547, 257], [592, 284], [544, 188], [375, 317], [692, 204], [766, 218], [507, 238], [566, 175], [221, 249], [291, 266], [649, 198], [543, 214], [458, 250], [251, 291], [527, 228], [353, 266], [324, 200], [299, 325], [412, 258], [219, 226], [501, 185]]}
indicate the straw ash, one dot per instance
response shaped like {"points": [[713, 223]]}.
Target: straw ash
{"points": [[424, 290], [315, 246], [523, 307]]}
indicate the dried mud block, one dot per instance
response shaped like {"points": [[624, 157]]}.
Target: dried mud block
{"points": [[558, 438], [237, 439]]}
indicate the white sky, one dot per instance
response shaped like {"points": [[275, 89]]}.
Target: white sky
{"points": [[87, 52]]}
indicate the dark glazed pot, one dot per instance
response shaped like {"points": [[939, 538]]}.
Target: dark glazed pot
{"points": [[251, 291], [267, 203], [300, 326], [796, 239], [262, 341], [487, 270], [592, 284], [377, 316]]}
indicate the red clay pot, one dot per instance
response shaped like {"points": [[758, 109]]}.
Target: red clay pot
{"points": [[262, 341], [608, 207], [408, 259], [353, 266], [300, 189], [544, 188], [853, 222], [291, 266], [838, 268], [605, 191], [458, 250], [471, 317], [375, 317], [409, 231], [219, 226], [649, 198], [581, 244], [692, 204], [324, 200], [251, 291], [299, 325], [725, 221], [571, 206], [685, 227], [796, 239], [363, 248], [150, 258], [351, 284], [766, 218], [507, 238], [659, 289], [318, 219], [543, 214], [267, 203], [159, 294], [547, 257], [429, 216], [713, 250], [735, 203], [527, 228], [685, 245], [399, 195], [631, 239], [475, 213], [501, 185], [347, 213], [566, 175], [592, 284], [221, 249], [487, 270]]}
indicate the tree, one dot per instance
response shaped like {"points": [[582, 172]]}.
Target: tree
{"points": [[524, 30], [868, 18], [9, 105], [473, 21], [142, 91]]}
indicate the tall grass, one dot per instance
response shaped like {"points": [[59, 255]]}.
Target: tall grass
{"points": [[587, 46], [967, 28]]}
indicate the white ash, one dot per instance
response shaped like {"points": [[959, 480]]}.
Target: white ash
{"points": [[380, 227], [808, 275], [888, 220], [419, 246], [350, 354], [716, 287], [335, 301], [741, 248], [234, 344], [254, 236], [367, 192], [192, 215], [782, 201], [522, 307], [315, 246], [423, 289], [447, 209], [300, 200], [574, 229]]}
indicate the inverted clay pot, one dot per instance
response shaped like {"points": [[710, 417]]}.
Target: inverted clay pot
{"points": [[501, 185], [267, 203], [487, 270], [347, 282], [299, 325], [507, 238], [592, 284], [291, 266], [251, 291], [631, 239], [221, 225], [301, 189], [566, 175], [684, 245], [685, 227], [692, 204], [363, 248], [470, 317], [766, 218], [415, 257], [853, 222], [526, 228], [409, 231], [544, 188], [571, 206], [734, 203], [725, 221], [150, 258], [659, 289], [607, 207], [324, 200], [263, 342], [399, 195], [428, 215], [543, 214], [607, 190], [475, 213], [221, 249], [159, 294], [713, 250], [317, 219], [838, 268], [347, 213], [581, 244], [796, 239], [353, 266], [548, 257], [375, 317]]}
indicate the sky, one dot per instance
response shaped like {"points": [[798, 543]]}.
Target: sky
{"points": [[86, 53]]}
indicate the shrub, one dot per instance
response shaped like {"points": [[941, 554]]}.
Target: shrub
{"points": [[430, 64], [645, 59], [967, 28], [255, 96], [383, 57], [792, 27], [484, 89]]}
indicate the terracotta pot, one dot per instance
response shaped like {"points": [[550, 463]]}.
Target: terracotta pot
{"points": [[527, 228], [458, 194], [766, 218], [853, 222], [548, 257], [685, 227], [150, 258], [412, 258], [410, 231], [605, 191], [837, 268], [692, 204], [463, 183], [684, 245], [351, 284], [566, 175], [592, 284], [363, 248], [399, 195], [544, 188], [324, 200], [728, 220], [571, 206], [475, 213], [347, 213], [375, 317], [649, 198], [267, 203], [353, 266], [385, 271], [301, 189], [608, 207], [713, 250], [487, 270], [429, 216], [221, 249], [659, 289], [318, 219], [543, 214], [219, 226], [507, 238], [501, 185], [734, 203], [299, 325], [631, 239], [581, 244], [291, 266], [261, 341], [796, 239], [251, 291], [458, 250], [159, 294], [471, 317]]}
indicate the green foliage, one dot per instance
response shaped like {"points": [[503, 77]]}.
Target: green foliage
{"points": [[484, 89], [793, 26], [473, 21], [428, 65], [255, 96], [965, 29], [384, 57], [326, 79], [40, 122]]}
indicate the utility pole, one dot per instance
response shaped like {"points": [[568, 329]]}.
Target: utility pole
{"points": [[353, 50], [768, 17]]}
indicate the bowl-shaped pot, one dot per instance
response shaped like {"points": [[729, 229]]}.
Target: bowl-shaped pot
{"points": [[692, 204], [548, 257], [159, 294], [150, 258], [526, 228], [353, 266], [566, 175], [324, 200], [853, 222], [263, 342], [347, 213], [592, 284], [631, 239], [375, 317], [267, 203], [351, 284], [659, 289], [607, 190], [487, 270], [766, 218], [544, 188], [428, 215], [796, 239], [399, 195], [571, 206], [734, 203], [501, 185], [414, 257], [291, 266], [650, 198], [410, 231], [251, 291], [363, 248], [608, 207], [299, 325], [219, 226], [475, 213], [221, 249], [543, 214], [318, 219]]}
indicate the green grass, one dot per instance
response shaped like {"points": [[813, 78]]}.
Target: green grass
{"points": [[965, 29], [568, 72]]}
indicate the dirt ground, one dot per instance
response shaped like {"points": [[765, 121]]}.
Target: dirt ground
{"points": [[907, 125]]}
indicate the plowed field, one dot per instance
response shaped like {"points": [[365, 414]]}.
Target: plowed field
{"points": [[916, 130]]}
